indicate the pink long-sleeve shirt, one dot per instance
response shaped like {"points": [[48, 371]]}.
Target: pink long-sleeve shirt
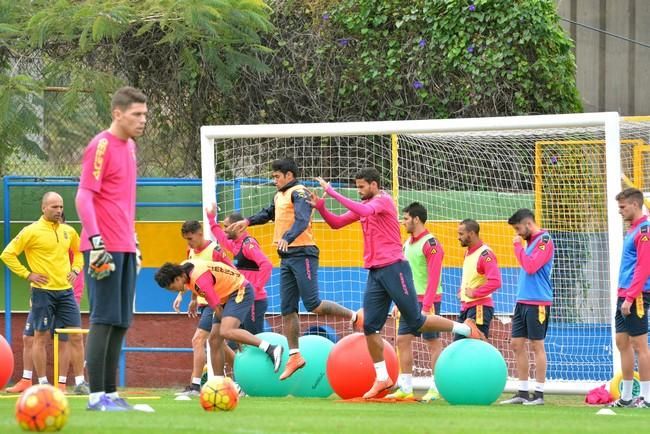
{"points": [[382, 243], [250, 249]]}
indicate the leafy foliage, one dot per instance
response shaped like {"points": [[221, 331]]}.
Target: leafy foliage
{"points": [[394, 59], [241, 61], [182, 53]]}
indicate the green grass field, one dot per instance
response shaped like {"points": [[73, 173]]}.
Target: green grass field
{"points": [[562, 414]]}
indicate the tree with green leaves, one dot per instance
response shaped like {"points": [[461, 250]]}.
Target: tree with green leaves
{"points": [[351, 60], [246, 62], [182, 53]]}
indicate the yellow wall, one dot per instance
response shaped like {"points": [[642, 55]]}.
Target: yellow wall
{"points": [[162, 242]]}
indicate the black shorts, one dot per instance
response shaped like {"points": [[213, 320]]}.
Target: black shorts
{"points": [[56, 324], [111, 298], [482, 315], [298, 281], [392, 283], [205, 318], [237, 305], [53, 309], [427, 336], [530, 321], [254, 321], [636, 323]]}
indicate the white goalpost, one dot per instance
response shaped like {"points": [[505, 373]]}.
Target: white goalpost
{"points": [[566, 168]]}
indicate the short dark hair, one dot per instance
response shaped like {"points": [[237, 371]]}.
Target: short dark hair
{"points": [[631, 194], [191, 227], [125, 96], [369, 174], [168, 273], [285, 165], [416, 210], [235, 217], [521, 215], [471, 225]]}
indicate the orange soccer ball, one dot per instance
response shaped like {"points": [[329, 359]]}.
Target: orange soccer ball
{"points": [[42, 408], [219, 394]]}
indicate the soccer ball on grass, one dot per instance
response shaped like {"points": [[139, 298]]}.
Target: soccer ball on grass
{"points": [[219, 394]]}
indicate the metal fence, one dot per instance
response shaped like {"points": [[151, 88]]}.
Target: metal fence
{"points": [[69, 120]]}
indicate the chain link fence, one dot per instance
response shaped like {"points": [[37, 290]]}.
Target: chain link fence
{"points": [[64, 133]]}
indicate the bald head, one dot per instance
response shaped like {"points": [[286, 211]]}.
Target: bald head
{"points": [[52, 206]]}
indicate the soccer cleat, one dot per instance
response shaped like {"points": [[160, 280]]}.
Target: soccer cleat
{"points": [[535, 401], [517, 399], [105, 404], [81, 389], [275, 353], [357, 324], [400, 395], [294, 363], [623, 403], [378, 387], [61, 387], [431, 395], [121, 402], [475, 332], [641, 403], [21, 386], [191, 390]]}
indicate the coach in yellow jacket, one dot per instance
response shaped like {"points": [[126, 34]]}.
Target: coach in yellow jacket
{"points": [[46, 244]]}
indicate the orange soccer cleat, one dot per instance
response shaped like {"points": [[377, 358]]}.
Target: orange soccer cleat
{"points": [[21, 386], [357, 324], [476, 333], [61, 387], [378, 387], [294, 363]]}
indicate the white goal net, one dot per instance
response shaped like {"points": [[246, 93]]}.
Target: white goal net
{"points": [[566, 168]]}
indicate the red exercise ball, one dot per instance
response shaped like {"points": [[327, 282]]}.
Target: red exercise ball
{"points": [[350, 370], [6, 362]]}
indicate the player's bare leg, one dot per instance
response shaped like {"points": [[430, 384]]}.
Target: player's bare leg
{"points": [[435, 323], [230, 330], [38, 352], [77, 357], [28, 367], [520, 349], [435, 348], [405, 381], [65, 356], [291, 327], [382, 380], [217, 343], [330, 308], [640, 347], [537, 346], [624, 345]]}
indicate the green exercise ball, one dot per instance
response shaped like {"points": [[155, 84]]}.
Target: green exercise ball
{"points": [[311, 381], [253, 369], [470, 372]]}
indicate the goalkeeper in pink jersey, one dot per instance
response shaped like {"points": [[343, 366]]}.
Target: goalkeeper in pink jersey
{"points": [[106, 207], [389, 275]]}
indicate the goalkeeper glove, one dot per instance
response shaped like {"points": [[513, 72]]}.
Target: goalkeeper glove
{"points": [[138, 255], [101, 262]]}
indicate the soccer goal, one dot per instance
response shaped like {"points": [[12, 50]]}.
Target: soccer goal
{"points": [[567, 168]]}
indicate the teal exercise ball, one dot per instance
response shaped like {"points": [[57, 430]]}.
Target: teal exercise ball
{"points": [[470, 372], [311, 381], [253, 369]]}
